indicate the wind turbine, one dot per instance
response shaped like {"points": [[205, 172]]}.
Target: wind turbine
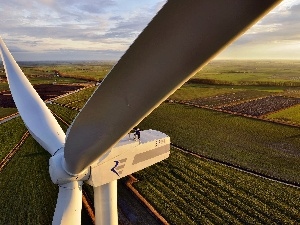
{"points": [[180, 39]]}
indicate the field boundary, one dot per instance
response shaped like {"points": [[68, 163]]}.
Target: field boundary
{"points": [[236, 113], [69, 93], [9, 117], [249, 171], [88, 205], [15, 149], [129, 182]]}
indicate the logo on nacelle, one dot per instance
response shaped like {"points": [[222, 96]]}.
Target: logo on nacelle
{"points": [[119, 166], [114, 168]]}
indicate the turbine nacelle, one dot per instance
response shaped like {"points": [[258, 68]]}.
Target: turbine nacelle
{"points": [[129, 156], [126, 157]]}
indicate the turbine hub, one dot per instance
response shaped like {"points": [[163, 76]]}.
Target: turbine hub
{"points": [[59, 175]]}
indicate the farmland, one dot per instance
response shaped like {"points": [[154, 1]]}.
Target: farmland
{"points": [[190, 190], [204, 118], [65, 71], [257, 145], [27, 194], [11, 133], [269, 73]]}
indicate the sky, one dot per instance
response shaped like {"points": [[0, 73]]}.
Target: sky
{"points": [[104, 29]]}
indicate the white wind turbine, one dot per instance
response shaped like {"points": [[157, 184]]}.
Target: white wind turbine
{"points": [[181, 39]]}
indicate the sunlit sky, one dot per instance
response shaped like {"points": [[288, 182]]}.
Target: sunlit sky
{"points": [[104, 29]]}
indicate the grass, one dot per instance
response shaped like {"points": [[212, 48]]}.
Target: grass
{"points": [[11, 133], [66, 114], [190, 190], [44, 74], [277, 73], [87, 71], [264, 147], [7, 111], [77, 99], [3, 86], [287, 115], [194, 91], [27, 194]]}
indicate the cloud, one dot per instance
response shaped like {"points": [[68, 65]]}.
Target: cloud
{"points": [[90, 20], [112, 25], [282, 24]]}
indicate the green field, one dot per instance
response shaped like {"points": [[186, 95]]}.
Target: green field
{"points": [[261, 146], [91, 71], [77, 99], [272, 73], [191, 91], [7, 111], [3, 86], [85, 71], [11, 133], [27, 194], [190, 190], [60, 74], [289, 115]]}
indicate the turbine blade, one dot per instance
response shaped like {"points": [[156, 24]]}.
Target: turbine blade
{"points": [[181, 39], [69, 204], [105, 201], [34, 112]]}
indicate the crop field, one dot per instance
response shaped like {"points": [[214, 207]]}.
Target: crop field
{"points": [[290, 114], [261, 146], [67, 114], [91, 71], [191, 190], [219, 100], [3, 86], [274, 73], [27, 194], [45, 91], [84, 71], [78, 99], [7, 111], [252, 101], [192, 90], [262, 106], [11, 132], [44, 74], [185, 189]]}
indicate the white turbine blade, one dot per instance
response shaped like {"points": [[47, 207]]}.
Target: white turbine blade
{"points": [[181, 39], [69, 204], [105, 201], [34, 112]]}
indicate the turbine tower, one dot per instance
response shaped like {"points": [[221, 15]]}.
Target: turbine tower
{"points": [[182, 38]]}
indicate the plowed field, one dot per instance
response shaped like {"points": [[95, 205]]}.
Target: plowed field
{"points": [[46, 91]]}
